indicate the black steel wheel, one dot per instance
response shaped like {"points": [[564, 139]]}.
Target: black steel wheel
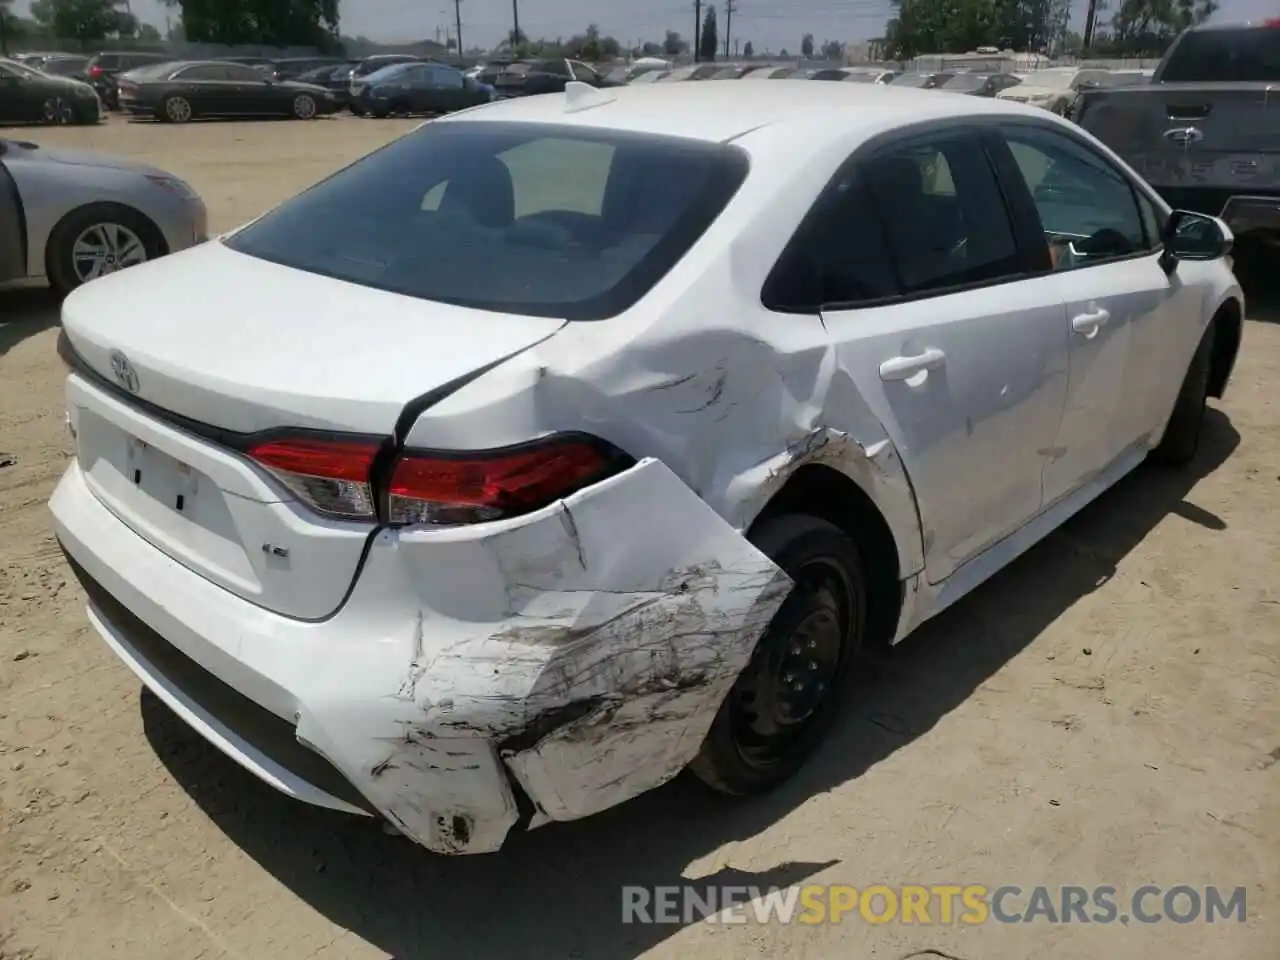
{"points": [[782, 705]]}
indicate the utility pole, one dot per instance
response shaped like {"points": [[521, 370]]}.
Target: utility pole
{"points": [[457, 17], [1090, 21], [515, 23], [728, 25], [697, 30]]}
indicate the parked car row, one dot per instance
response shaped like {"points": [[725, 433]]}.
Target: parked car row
{"points": [[28, 95]]}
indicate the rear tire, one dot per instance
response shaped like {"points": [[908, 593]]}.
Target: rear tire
{"points": [[175, 109], [1181, 440], [782, 706]]}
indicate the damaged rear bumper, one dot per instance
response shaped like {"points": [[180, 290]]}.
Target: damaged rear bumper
{"points": [[577, 655]]}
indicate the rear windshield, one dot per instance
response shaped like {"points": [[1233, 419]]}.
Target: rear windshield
{"points": [[912, 80], [534, 219], [1243, 55]]}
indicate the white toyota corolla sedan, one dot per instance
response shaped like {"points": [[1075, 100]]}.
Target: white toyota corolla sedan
{"points": [[574, 440]]}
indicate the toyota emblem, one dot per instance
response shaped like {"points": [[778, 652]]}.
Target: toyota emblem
{"points": [[123, 371]]}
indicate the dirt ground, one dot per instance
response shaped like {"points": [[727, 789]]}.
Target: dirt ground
{"points": [[1105, 712]]}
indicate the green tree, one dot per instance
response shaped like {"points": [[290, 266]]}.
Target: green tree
{"points": [[268, 22], [147, 33], [83, 20], [1149, 26], [707, 43], [650, 49], [806, 46], [748, 50], [833, 50], [674, 44], [8, 25]]}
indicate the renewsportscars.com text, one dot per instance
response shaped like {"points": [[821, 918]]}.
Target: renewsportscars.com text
{"points": [[941, 904]]}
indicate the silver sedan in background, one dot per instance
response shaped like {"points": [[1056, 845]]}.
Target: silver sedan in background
{"points": [[68, 216]]}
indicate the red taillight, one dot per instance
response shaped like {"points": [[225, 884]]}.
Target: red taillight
{"points": [[95, 71], [335, 478], [331, 477], [471, 488], [1273, 22]]}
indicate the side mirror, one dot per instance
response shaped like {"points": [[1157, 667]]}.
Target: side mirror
{"points": [[1193, 236]]}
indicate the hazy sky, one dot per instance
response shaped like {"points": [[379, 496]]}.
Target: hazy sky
{"points": [[769, 24]]}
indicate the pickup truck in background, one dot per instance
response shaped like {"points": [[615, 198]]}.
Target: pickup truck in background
{"points": [[1205, 133]]}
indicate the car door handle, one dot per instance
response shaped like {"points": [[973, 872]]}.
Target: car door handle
{"points": [[1089, 323], [903, 368]]}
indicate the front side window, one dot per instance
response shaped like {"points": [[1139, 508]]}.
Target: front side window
{"points": [[1088, 209], [523, 218], [582, 72]]}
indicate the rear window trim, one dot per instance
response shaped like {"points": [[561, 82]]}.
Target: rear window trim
{"points": [[646, 274]]}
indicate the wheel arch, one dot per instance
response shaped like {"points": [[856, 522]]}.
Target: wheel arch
{"points": [[1228, 326], [824, 491], [107, 207]]}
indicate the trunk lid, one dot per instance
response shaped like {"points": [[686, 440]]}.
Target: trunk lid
{"points": [[1192, 136], [276, 348], [279, 347]]}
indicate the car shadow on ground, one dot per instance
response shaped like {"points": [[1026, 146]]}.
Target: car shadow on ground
{"points": [[1264, 308], [556, 892], [24, 313]]}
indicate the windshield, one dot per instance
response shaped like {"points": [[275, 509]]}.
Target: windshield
{"points": [[965, 81], [912, 80], [861, 77], [1240, 55], [525, 218]]}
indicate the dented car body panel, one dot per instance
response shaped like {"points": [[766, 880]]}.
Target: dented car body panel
{"points": [[587, 666]]}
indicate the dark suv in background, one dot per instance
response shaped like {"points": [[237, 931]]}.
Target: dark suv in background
{"points": [[103, 70]]}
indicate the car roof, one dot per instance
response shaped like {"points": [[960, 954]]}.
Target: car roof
{"points": [[721, 110]]}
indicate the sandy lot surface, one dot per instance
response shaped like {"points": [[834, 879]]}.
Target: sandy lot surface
{"points": [[1105, 712]]}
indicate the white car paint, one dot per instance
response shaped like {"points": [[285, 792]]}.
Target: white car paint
{"points": [[1051, 88], [579, 651]]}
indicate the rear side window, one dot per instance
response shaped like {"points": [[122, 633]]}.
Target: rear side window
{"points": [[1243, 55], [943, 213], [201, 72], [910, 219], [533, 219]]}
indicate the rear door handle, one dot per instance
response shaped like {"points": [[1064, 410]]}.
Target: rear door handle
{"points": [[1090, 323], [903, 368]]}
